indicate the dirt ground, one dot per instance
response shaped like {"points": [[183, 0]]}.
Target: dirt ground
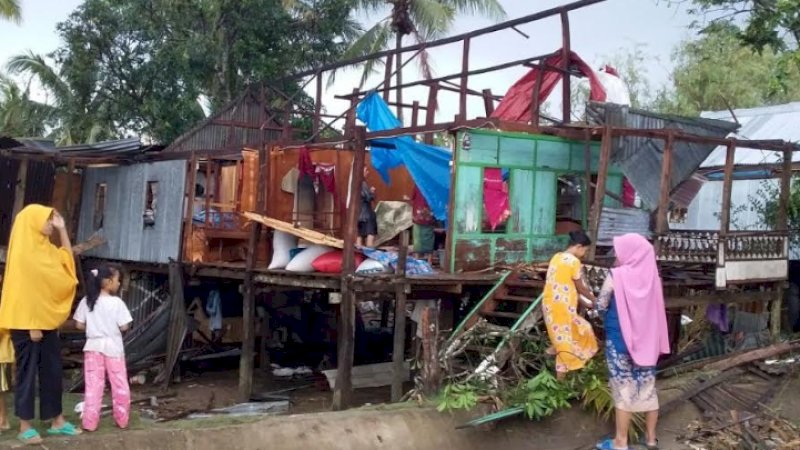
{"points": [[574, 429]]}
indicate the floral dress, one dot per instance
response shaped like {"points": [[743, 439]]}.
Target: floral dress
{"points": [[632, 387], [570, 334]]}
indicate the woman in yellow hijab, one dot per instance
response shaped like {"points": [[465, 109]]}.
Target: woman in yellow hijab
{"points": [[38, 291]]}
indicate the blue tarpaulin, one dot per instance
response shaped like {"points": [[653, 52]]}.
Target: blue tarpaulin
{"points": [[428, 165]]}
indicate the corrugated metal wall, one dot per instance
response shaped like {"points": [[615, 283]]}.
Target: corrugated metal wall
{"points": [[704, 211], [128, 238], [235, 127]]}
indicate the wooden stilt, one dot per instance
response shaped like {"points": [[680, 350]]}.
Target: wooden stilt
{"points": [[399, 347]]}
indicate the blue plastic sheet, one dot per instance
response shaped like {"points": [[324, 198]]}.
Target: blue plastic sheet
{"points": [[428, 165]]}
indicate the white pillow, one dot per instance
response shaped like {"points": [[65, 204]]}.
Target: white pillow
{"points": [[371, 266], [302, 262], [282, 243]]}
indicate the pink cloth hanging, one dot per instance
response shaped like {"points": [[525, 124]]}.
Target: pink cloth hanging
{"points": [[640, 300], [495, 197]]}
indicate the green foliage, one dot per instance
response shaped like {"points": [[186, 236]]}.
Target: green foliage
{"points": [[458, 396], [10, 10], [20, 115], [765, 204], [541, 395], [141, 66]]}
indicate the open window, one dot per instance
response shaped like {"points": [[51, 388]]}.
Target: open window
{"points": [[570, 203], [100, 193], [150, 203], [496, 200]]}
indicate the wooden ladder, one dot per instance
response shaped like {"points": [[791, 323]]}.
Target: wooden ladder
{"points": [[512, 304]]}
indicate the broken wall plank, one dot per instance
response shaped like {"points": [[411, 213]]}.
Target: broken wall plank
{"points": [[755, 355]]}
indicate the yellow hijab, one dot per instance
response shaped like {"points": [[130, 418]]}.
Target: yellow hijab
{"points": [[40, 282]]}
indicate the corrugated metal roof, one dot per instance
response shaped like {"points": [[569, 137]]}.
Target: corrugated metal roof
{"points": [[764, 123], [640, 157], [120, 147]]}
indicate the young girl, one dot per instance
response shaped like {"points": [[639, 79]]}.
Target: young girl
{"points": [[104, 317]]}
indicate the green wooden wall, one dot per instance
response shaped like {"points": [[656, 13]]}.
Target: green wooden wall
{"points": [[535, 162]]}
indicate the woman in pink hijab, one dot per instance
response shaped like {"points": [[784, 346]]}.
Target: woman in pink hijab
{"points": [[636, 336]]}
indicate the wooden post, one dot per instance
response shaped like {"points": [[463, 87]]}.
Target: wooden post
{"points": [[398, 95], [264, 359], [207, 191], [600, 189], [430, 113], [248, 310], [350, 117], [191, 181], [462, 97], [782, 225], [19, 189], [67, 208], [387, 78], [535, 103], [399, 348], [343, 389], [415, 113], [565, 60], [317, 106], [430, 351], [587, 173], [727, 187], [488, 102], [662, 226]]}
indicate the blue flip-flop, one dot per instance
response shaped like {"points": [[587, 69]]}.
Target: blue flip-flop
{"points": [[608, 444], [30, 437], [67, 429]]}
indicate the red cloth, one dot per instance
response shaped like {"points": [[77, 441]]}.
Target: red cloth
{"points": [[495, 197], [304, 163], [322, 173], [326, 176], [611, 71], [628, 194], [421, 212], [516, 104]]}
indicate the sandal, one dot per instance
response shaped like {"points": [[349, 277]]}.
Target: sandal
{"points": [[649, 446], [67, 429], [608, 444], [30, 437]]}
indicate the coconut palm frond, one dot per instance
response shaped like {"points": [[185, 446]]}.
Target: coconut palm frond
{"points": [[35, 66], [432, 18], [10, 10], [491, 9], [374, 40]]}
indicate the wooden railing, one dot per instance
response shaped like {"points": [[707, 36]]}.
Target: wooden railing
{"points": [[688, 246], [707, 246]]}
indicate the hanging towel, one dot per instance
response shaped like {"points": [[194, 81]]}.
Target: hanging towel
{"points": [[495, 197]]}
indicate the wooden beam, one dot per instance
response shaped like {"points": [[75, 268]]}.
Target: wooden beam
{"points": [[720, 297], [430, 351], [600, 189], [415, 113], [347, 308], [248, 311], [565, 56], [67, 207], [399, 347], [666, 176], [727, 187], [462, 96], [317, 105], [488, 102], [20, 187], [782, 225], [399, 76], [535, 110], [387, 78], [430, 113]]}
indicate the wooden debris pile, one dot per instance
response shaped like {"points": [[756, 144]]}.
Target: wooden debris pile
{"points": [[734, 395]]}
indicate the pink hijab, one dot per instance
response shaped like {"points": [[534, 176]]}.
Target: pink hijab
{"points": [[640, 300]]}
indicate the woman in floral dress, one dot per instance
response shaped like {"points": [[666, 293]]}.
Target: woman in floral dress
{"points": [[571, 337], [636, 336]]}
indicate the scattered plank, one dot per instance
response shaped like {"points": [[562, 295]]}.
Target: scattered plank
{"points": [[755, 355], [315, 237]]}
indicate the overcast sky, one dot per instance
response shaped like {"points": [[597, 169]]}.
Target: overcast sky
{"points": [[598, 32]]}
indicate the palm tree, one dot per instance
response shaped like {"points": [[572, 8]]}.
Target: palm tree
{"points": [[77, 117], [424, 20], [10, 10], [21, 116]]}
